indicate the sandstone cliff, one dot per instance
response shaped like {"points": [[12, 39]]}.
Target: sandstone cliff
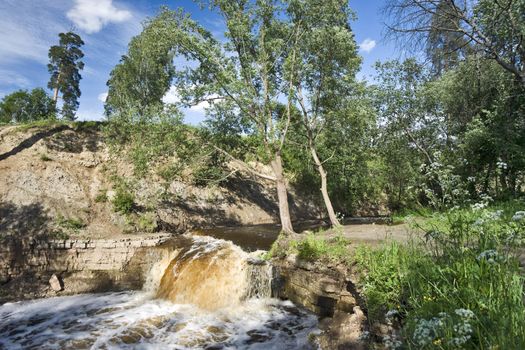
{"points": [[52, 178]]}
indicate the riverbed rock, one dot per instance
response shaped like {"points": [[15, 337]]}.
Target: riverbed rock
{"points": [[56, 283], [330, 292]]}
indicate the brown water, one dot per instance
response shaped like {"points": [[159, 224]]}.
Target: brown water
{"points": [[255, 237], [207, 296], [212, 274]]}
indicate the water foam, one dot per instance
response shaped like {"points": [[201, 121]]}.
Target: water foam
{"points": [[212, 296]]}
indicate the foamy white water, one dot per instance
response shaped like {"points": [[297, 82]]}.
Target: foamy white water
{"points": [[134, 321], [138, 320]]}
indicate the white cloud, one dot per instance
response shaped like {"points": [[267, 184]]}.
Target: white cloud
{"points": [[172, 96], [92, 15], [367, 45], [13, 79], [27, 29], [102, 97]]}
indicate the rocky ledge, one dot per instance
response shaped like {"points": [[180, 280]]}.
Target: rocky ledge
{"points": [[329, 291], [33, 267]]}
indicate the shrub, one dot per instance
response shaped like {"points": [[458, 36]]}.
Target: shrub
{"points": [[147, 222], [170, 171], [102, 196], [124, 200], [45, 158], [70, 223], [463, 289]]}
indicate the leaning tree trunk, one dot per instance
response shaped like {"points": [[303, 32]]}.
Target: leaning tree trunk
{"points": [[282, 195], [324, 188]]}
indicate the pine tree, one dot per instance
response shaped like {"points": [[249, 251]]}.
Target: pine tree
{"points": [[64, 66]]}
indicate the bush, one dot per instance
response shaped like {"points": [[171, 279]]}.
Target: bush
{"points": [[147, 222], [45, 158], [463, 289], [124, 200], [70, 223], [170, 171], [102, 196]]}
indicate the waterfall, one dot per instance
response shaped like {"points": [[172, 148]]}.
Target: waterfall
{"points": [[213, 274], [203, 293]]}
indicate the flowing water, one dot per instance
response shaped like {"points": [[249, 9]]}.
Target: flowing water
{"points": [[254, 237], [211, 295]]}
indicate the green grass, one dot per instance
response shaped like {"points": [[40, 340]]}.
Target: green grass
{"points": [[461, 289], [70, 223], [315, 247], [406, 215], [102, 196], [45, 158], [41, 124], [312, 247], [124, 200]]}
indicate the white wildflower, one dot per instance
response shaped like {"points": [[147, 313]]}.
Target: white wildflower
{"points": [[502, 165], [495, 215], [479, 205], [518, 216], [465, 313], [365, 335], [391, 342], [491, 256], [426, 331]]}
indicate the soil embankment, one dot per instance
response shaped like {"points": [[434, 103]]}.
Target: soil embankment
{"points": [[58, 180]]}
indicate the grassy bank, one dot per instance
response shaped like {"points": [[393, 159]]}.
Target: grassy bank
{"points": [[457, 286]]}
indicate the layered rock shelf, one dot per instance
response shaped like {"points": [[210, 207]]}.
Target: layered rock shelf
{"points": [[330, 292], [83, 265]]}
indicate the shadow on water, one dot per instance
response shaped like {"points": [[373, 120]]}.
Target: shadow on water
{"points": [[261, 237], [255, 237]]}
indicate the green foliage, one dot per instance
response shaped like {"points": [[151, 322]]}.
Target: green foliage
{"points": [[384, 275], [315, 247], [147, 222], [23, 106], [102, 196], [45, 158], [70, 223], [170, 171], [145, 73], [146, 136], [463, 289], [124, 200], [64, 66]]}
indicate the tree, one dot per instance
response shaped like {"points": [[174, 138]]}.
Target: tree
{"points": [[492, 28], [144, 74], [445, 45], [22, 106], [410, 131], [64, 66], [322, 73], [250, 77]]}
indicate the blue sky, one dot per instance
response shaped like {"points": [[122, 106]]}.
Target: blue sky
{"points": [[29, 27]]}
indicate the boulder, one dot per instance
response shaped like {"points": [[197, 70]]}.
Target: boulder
{"points": [[56, 283]]}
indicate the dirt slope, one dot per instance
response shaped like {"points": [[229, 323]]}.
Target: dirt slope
{"points": [[50, 178]]}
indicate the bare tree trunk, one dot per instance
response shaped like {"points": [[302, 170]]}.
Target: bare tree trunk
{"points": [[324, 188], [282, 195], [55, 95], [55, 91]]}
